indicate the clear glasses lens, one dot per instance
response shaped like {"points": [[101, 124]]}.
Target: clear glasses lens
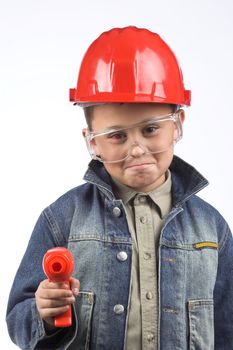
{"points": [[152, 136]]}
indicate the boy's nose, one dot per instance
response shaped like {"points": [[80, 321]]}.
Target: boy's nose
{"points": [[137, 150]]}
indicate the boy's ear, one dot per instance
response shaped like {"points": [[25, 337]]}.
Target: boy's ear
{"points": [[84, 132], [181, 115], [178, 130], [92, 147]]}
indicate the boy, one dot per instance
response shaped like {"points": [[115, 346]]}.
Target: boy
{"points": [[153, 261]]}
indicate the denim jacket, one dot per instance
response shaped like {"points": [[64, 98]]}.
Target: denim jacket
{"points": [[195, 258]]}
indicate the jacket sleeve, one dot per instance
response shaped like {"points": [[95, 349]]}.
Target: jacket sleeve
{"points": [[223, 293], [25, 326]]}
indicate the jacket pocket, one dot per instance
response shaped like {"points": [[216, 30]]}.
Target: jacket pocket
{"points": [[201, 324], [83, 313]]}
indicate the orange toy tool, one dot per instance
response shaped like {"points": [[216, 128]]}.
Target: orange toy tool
{"points": [[58, 265]]}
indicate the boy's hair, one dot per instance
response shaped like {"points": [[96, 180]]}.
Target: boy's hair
{"points": [[88, 113]]}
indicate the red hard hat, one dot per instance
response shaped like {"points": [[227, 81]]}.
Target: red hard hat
{"points": [[130, 65]]}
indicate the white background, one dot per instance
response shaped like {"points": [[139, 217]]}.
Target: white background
{"points": [[42, 151]]}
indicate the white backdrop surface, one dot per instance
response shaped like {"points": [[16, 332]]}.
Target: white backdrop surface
{"points": [[42, 152]]}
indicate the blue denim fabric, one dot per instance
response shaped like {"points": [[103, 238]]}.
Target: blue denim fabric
{"points": [[195, 282]]}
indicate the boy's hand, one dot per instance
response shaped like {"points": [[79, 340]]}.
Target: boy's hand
{"points": [[53, 299]]}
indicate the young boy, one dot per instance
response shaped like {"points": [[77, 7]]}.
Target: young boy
{"points": [[153, 262]]}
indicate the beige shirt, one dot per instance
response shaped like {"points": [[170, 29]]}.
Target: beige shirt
{"points": [[145, 215]]}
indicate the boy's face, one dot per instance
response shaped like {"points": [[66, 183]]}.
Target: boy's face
{"points": [[141, 171]]}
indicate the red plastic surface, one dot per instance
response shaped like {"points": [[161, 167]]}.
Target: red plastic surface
{"points": [[130, 65], [58, 265]]}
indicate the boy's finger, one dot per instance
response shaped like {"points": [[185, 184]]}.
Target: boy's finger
{"points": [[74, 285]]}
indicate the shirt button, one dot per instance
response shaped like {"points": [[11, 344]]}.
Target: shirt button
{"points": [[118, 309], [150, 337], [122, 256], [143, 219], [116, 212], [142, 199], [149, 296], [147, 256]]}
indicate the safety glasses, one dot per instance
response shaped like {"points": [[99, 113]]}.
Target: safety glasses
{"points": [[116, 144]]}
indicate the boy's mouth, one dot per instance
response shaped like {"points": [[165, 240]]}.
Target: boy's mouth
{"points": [[139, 166]]}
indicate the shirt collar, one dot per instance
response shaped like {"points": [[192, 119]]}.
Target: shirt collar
{"points": [[161, 195]]}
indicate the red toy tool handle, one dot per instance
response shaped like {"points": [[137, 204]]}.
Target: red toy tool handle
{"points": [[58, 265], [65, 319]]}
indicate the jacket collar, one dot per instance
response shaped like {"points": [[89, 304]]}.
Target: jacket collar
{"points": [[186, 180]]}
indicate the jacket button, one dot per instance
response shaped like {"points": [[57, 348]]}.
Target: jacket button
{"points": [[116, 212], [122, 256], [118, 309]]}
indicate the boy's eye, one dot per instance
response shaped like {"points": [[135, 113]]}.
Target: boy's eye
{"points": [[117, 137], [150, 129]]}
